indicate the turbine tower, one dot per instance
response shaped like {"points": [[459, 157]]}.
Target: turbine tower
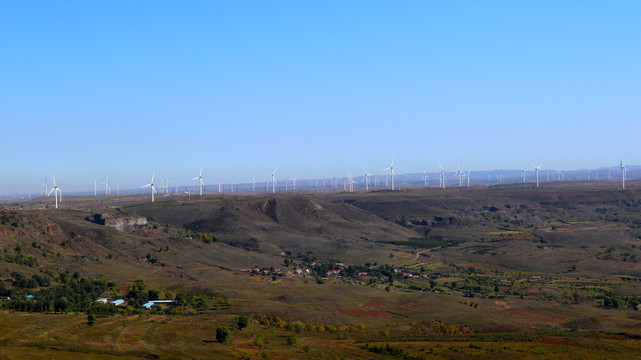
{"points": [[424, 178], [391, 169], [46, 187], [200, 180], [536, 168], [253, 184], [166, 184], [350, 181], [366, 179], [468, 177], [152, 185], [273, 175], [95, 184], [523, 173], [623, 171], [107, 188], [56, 190], [459, 173], [442, 176]]}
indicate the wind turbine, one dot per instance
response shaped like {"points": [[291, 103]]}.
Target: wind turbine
{"points": [[166, 184], [536, 168], [46, 188], [200, 180], [294, 185], [152, 185], [424, 178], [366, 179], [350, 181], [468, 177], [623, 171], [107, 188], [273, 175], [459, 173], [56, 190], [46, 193], [523, 173], [442, 176], [391, 170], [253, 184], [95, 183]]}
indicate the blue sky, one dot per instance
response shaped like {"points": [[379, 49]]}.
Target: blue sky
{"points": [[122, 89]]}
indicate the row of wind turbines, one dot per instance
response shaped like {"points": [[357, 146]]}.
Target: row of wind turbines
{"points": [[348, 183]]}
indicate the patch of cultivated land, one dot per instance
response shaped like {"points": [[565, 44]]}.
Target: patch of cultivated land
{"points": [[500, 272]]}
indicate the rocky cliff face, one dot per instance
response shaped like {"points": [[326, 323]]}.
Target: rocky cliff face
{"points": [[124, 222]]}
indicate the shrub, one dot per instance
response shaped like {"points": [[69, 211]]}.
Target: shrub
{"points": [[242, 321], [292, 339], [223, 334]]}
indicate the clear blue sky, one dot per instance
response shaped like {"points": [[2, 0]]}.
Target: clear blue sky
{"points": [[125, 88]]}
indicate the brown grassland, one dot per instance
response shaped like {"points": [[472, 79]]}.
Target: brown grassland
{"points": [[504, 272]]}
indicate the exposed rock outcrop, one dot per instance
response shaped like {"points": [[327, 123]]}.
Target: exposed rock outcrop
{"points": [[123, 222]]}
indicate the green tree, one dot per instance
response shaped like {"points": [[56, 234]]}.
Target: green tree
{"points": [[242, 321], [223, 334], [292, 339], [91, 319]]}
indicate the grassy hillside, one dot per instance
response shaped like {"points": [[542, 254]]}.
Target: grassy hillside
{"points": [[558, 266]]}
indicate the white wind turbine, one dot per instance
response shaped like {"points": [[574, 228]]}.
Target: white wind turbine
{"points": [[95, 184], [366, 179], [442, 176], [424, 178], [152, 185], [200, 180], [391, 170], [253, 184], [273, 175], [107, 188], [536, 168], [468, 177], [459, 173], [166, 184], [46, 187], [523, 173], [623, 175], [294, 184], [56, 190], [351, 182]]}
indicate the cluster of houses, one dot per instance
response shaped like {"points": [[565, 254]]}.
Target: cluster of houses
{"points": [[147, 305], [117, 302], [301, 270]]}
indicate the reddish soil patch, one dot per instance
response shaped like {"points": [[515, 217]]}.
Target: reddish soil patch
{"points": [[537, 315], [555, 341], [373, 303], [364, 313], [532, 291], [614, 320]]}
